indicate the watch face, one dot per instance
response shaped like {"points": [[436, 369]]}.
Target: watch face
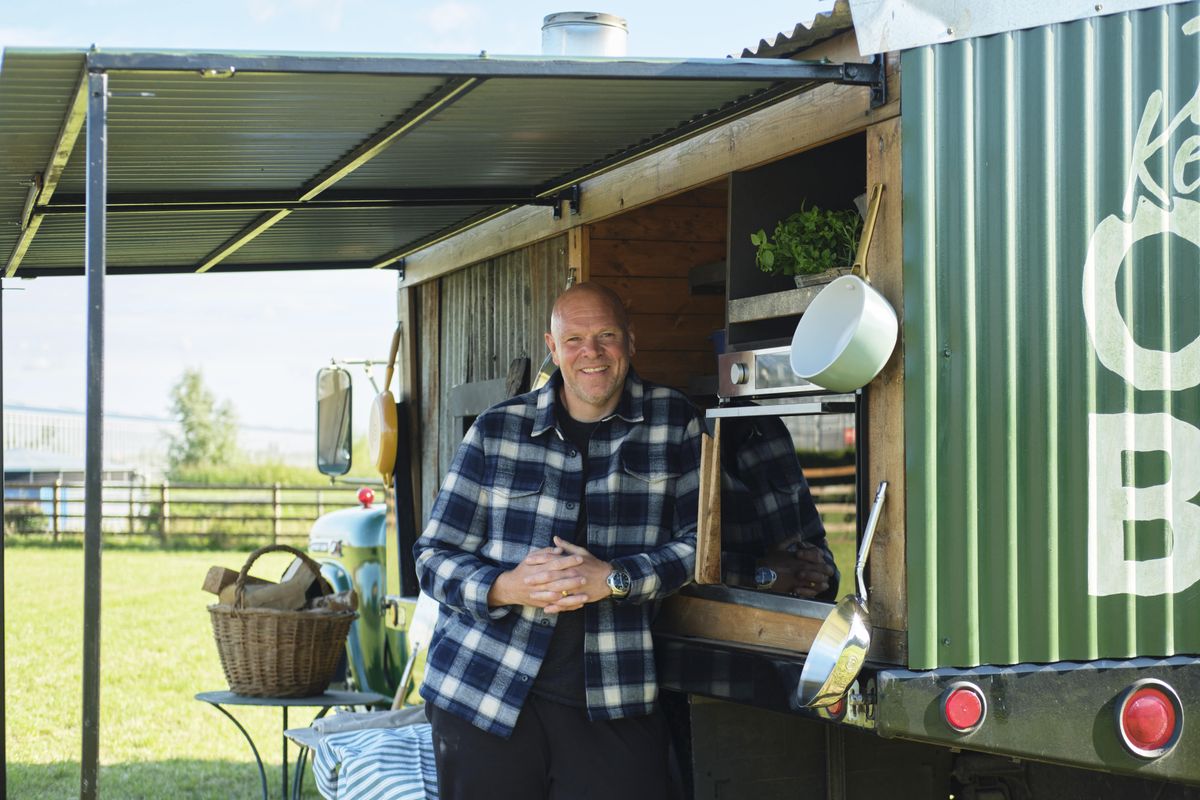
{"points": [[618, 581]]}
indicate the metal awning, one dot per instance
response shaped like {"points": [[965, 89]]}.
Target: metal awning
{"points": [[239, 161]]}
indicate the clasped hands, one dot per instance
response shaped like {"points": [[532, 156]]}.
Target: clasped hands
{"points": [[555, 579], [802, 571]]}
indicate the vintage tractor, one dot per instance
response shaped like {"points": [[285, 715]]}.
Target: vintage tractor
{"points": [[384, 647]]}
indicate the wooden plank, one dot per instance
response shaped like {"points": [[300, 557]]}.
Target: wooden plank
{"points": [[829, 472], [799, 123], [430, 393], [673, 332], [623, 259], [664, 223], [665, 296], [714, 195], [708, 528], [885, 395], [682, 615], [653, 363], [578, 252]]}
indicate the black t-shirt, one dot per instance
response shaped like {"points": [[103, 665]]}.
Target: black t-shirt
{"points": [[561, 676]]}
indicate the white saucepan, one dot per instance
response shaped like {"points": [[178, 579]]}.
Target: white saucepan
{"points": [[849, 330]]}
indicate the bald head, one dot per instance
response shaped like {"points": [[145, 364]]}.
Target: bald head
{"points": [[591, 343], [583, 294]]}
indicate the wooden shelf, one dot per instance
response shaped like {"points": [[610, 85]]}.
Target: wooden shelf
{"points": [[789, 303]]}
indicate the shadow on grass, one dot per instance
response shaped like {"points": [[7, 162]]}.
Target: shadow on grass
{"points": [[176, 779]]}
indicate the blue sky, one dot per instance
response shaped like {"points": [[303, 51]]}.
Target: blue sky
{"points": [[259, 339]]}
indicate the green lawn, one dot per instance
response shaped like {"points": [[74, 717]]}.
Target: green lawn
{"points": [[157, 652]]}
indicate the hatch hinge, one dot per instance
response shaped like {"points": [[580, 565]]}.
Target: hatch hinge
{"points": [[572, 196], [873, 74]]}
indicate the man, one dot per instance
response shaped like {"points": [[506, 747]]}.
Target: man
{"points": [[567, 514], [772, 536]]}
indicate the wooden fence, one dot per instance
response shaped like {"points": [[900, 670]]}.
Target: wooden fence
{"points": [[215, 514], [833, 491], [174, 512]]}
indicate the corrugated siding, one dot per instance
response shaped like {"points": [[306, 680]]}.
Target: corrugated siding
{"points": [[489, 314], [279, 126], [1017, 151]]}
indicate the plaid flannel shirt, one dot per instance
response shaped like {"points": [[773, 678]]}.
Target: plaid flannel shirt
{"points": [[514, 484], [765, 499]]}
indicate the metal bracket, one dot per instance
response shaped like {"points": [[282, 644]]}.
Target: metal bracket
{"points": [[873, 74], [573, 196], [400, 271]]}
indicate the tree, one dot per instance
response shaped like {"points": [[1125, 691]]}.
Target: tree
{"points": [[208, 430]]}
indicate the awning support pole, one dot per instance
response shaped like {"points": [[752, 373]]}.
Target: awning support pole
{"points": [[94, 241]]}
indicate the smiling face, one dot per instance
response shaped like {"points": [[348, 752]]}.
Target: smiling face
{"points": [[591, 343]]}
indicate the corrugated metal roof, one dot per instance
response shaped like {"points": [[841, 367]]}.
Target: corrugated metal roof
{"points": [[1052, 344], [824, 25], [365, 157]]}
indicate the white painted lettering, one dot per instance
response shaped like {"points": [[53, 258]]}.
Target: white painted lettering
{"points": [[1145, 369], [1189, 153], [1113, 504]]}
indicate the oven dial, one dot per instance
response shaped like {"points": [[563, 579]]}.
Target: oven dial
{"points": [[738, 374]]}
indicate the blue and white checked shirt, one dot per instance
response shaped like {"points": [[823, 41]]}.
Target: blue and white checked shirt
{"points": [[514, 484]]}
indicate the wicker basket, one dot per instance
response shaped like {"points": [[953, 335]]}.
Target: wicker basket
{"points": [[271, 653]]}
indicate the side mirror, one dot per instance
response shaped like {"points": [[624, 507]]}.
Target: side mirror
{"points": [[333, 421]]}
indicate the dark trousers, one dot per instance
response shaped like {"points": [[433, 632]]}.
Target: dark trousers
{"points": [[556, 753]]}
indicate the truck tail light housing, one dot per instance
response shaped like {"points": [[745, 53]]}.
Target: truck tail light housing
{"points": [[963, 706], [1149, 718]]}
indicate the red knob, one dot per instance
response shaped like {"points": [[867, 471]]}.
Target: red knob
{"points": [[366, 496]]}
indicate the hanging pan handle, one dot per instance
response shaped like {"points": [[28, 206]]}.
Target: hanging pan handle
{"points": [[391, 367], [864, 244]]}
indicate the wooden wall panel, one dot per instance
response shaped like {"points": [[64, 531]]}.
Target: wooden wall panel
{"points": [[885, 399], [428, 327], [645, 256], [490, 313]]}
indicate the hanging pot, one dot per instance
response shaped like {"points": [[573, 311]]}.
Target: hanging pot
{"points": [[382, 429], [849, 330], [840, 648]]}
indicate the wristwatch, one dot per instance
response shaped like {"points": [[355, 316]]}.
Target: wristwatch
{"points": [[619, 582]]}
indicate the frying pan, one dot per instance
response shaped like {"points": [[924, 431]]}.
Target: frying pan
{"points": [[381, 433], [838, 652]]}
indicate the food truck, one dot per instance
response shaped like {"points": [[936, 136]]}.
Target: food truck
{"points": [[1033, 582]]}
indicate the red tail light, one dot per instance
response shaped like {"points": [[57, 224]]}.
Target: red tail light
{"points": [[366, 496], [1149, 718], [963, 707]]}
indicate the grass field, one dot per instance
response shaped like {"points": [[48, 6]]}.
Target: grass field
{"points": [[156, 740]]}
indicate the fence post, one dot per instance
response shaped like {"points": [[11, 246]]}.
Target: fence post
{"points": [[129, 488], [57, 498], [320, 507], [277, 502], [164, 504]]}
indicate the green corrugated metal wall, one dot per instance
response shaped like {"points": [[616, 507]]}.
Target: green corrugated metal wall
{"points": [[1032, 538]]}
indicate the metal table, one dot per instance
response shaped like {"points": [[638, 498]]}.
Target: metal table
{"points": [[325, 702]]}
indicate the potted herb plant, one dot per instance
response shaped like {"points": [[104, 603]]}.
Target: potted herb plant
{"points": [[813, 244]]}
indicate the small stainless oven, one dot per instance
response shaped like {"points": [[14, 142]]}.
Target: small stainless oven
{"points": [[760, 373]]}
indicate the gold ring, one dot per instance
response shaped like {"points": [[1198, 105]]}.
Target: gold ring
{"points": [[565, 593]]}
